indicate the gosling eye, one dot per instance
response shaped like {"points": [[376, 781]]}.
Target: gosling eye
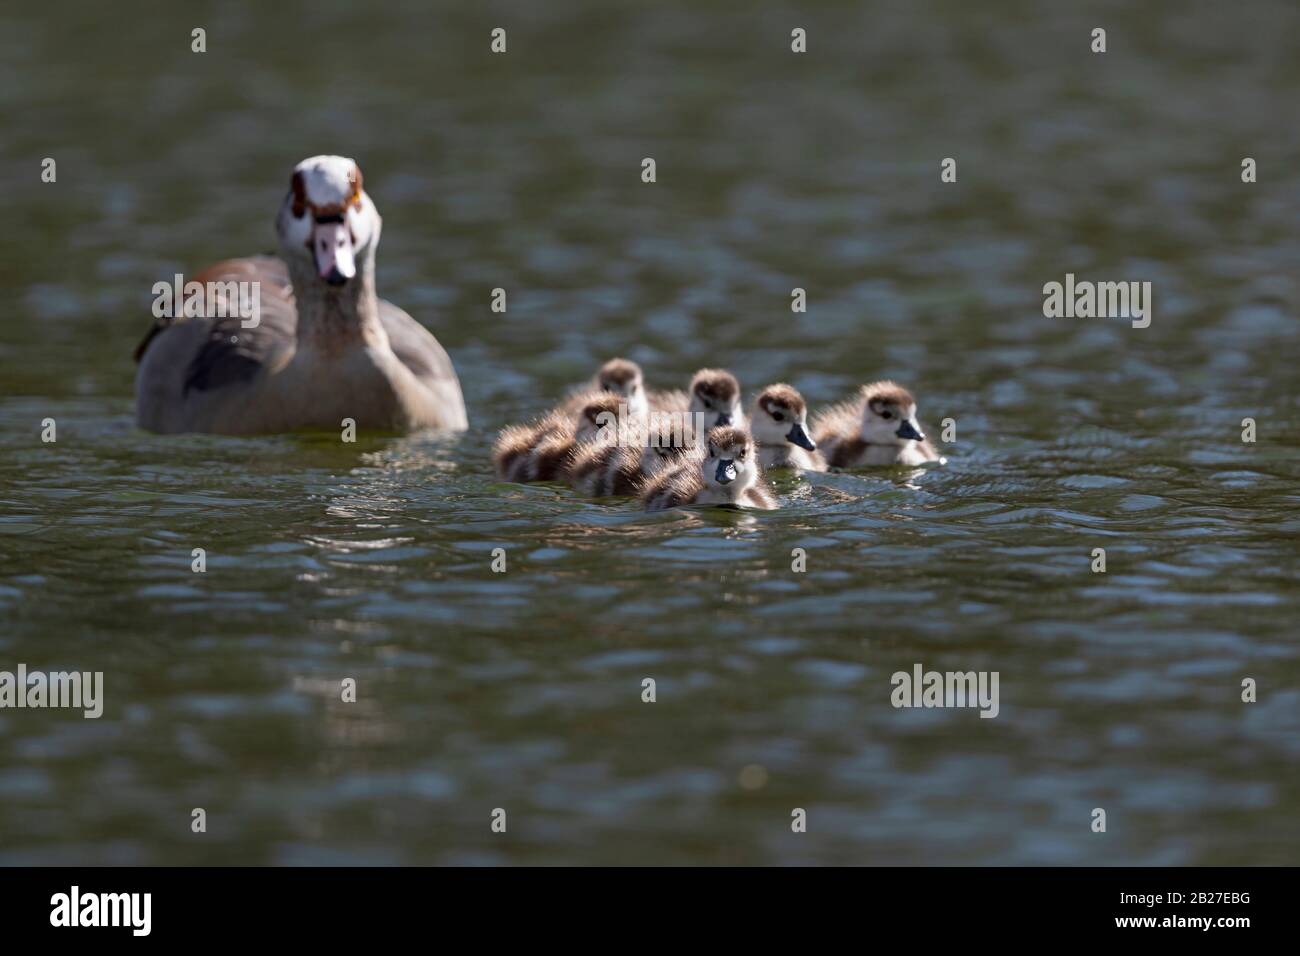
{"points": [[886, 415], [778, 416]]}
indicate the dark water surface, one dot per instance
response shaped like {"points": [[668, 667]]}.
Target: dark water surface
{"points": [[523, 690]]}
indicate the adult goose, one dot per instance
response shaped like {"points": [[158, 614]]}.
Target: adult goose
{"points": [[324, 347]]}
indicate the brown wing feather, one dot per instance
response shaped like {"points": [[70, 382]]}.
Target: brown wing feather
{"points": [[622, 475], [276, 295], [844, 452], [672, 488], [516, 445], [233, 353], [552, 458], [589, 462]]}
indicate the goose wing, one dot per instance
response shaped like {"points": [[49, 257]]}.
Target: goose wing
{"points": [[229, 352], [184, 357], [417, 349]]}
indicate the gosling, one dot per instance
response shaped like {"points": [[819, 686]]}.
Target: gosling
{"points": [[619, 377], [878, 427], [727, 474], [779, 422], [714, 393], [601, 470], [544, 449]]}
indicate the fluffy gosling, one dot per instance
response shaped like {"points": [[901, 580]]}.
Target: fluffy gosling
{"points": [[544, 449], [779, 423], [878, 427], [601, 470], [713, 393], [619, 377], [727, 474]]}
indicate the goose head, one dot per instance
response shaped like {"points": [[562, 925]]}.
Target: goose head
{"points": [[327, 223], [889, 415], [780, 416], [730, 465], [715, 394], [623, 378]]}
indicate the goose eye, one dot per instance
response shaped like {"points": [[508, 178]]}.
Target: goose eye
{"points": [[886, 415], [778, 416]]}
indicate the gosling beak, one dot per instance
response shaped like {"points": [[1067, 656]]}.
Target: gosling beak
{"points": [[726, 471], [331, 245], [906, 430], [724, 418], [798, 436]]}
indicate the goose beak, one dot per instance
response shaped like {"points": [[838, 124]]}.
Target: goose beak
{"points": [[331, 245], [798, 436], [724, 418], [726, 471], [906, 430]]}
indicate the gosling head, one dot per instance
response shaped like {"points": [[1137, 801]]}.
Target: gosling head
{"points": [[889, 415], [780, 416], [599, 419], [623, 378], [715, 394], [730, 464], [327, 223]]}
